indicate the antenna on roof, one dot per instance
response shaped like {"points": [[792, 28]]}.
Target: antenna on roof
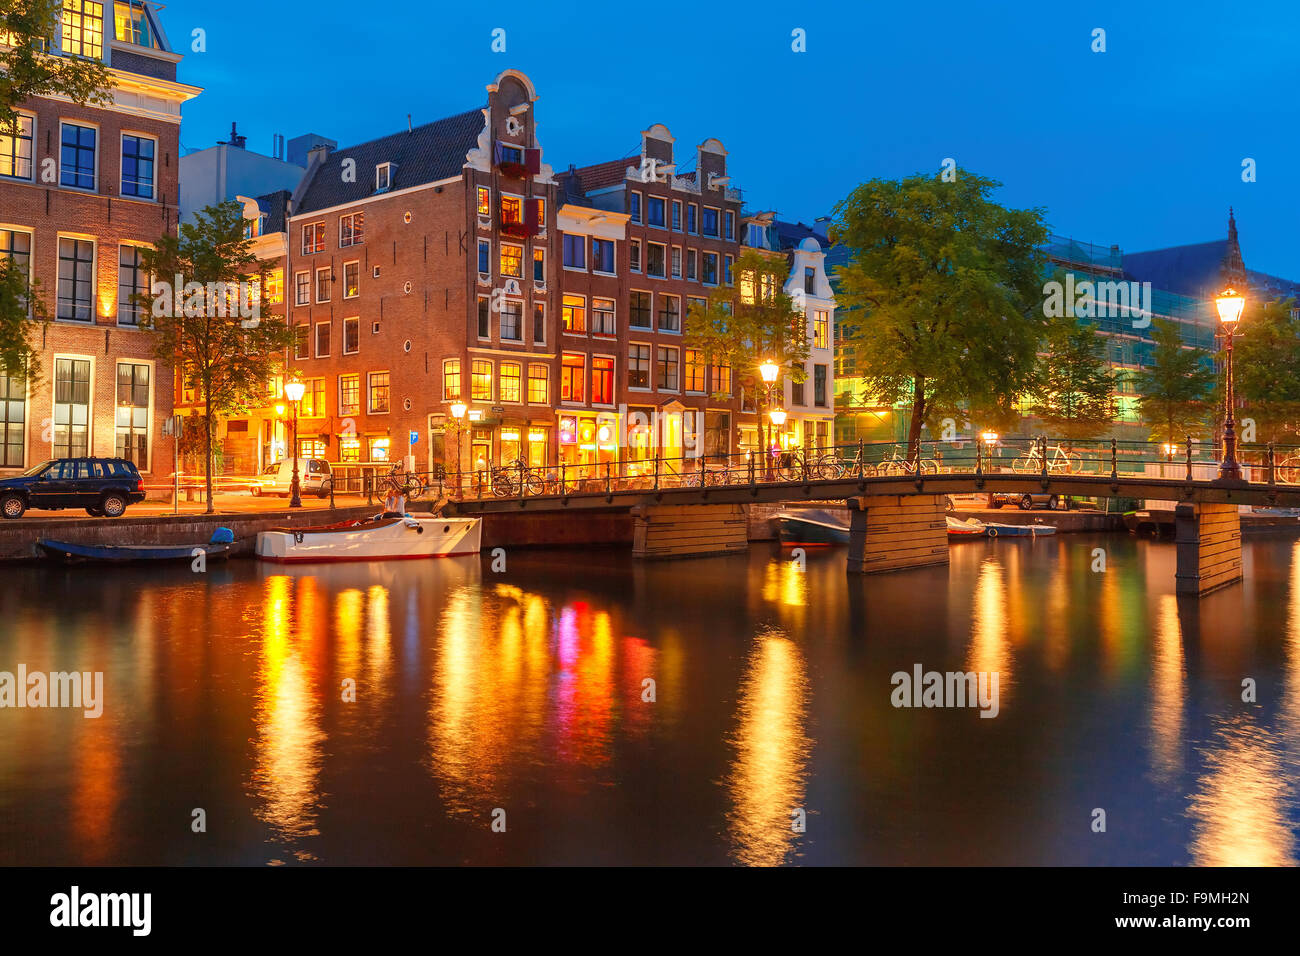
{"points": [[408, 123]]}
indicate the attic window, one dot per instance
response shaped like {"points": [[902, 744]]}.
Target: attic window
{"points": [[132, 24], [384, 177]]}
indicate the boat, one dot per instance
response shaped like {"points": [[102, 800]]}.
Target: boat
{"points": [[70, 552], [966, 528], [384, 537], [1018, 530], [812, 528]]}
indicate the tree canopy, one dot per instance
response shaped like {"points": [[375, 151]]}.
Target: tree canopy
{"points": [[1174, 390], [942, 293], [27, 69], [1073, 392]]}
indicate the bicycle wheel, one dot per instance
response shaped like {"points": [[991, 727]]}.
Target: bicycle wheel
{"points": [[416, 487], [1025, 465], [1073, 463], [929, 466], [829, 468]]}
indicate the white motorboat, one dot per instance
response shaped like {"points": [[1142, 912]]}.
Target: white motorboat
{"points": [[387, 537]]}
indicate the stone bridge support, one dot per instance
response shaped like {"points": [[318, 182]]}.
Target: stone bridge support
{"points": [[889, 533], [683, 531], [1208, 540]]}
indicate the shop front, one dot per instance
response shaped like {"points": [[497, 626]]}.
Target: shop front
{"points": [[588, 442]]}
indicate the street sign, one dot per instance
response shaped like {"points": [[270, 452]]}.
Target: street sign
{"points": [[415, 437]]}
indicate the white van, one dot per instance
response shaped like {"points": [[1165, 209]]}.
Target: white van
{"points": [[314, 477]]}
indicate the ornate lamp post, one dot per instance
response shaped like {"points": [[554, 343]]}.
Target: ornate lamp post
{"points": [[769, 370], [990, 440], [293, 391], [1230, 304], [458, 410]]}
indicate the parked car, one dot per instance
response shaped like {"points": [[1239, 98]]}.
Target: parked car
{"points": [[103, 486], [314, 478], [1026, 501]]}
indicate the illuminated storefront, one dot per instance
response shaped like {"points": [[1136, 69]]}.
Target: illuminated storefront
{"points": [[588, 441]]}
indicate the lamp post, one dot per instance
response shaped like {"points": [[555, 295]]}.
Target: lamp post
{"points": [[1230, 304], [990, 439], [458, 410], [769, 370], [293, 392]]}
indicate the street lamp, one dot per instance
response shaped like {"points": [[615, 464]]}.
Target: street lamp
{"points": [[293, 392], [769, 370], [990, 439], [1230, 303]]}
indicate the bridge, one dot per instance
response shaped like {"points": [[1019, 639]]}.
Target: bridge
{"points": [[695, 506]]}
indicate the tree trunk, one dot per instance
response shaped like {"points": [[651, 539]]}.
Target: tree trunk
{"points": [[207, 450], [918, 419]]}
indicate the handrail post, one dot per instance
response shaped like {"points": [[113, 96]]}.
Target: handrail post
{"points": [[1272, 465], [656, 469], [609, 480], [1114, 459], [979, 458], [861, 457], [1189, 457], [1042, 444], [564, 485], [751, 468]]}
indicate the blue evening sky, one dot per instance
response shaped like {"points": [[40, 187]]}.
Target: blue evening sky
{"points": [[1141, 146]]}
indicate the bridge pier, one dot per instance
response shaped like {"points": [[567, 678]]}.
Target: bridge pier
{"points": [[683, 531], [892, 532], [1208, 542]]}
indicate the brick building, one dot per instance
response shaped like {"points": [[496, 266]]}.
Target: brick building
{"points": [[422, 275], [681, 241], [82, 189]]}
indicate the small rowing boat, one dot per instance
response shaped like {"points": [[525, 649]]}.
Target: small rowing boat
{"points": [[385, 537], [966, 528], [70, 552], [1018, 530]]}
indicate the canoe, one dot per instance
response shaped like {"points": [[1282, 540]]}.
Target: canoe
{"points": [[812, 528], [72, 553], [386, 537], [1019, 530], [967, 528]]}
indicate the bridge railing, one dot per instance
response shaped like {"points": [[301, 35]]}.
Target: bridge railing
{"points": [[1049, 457]]}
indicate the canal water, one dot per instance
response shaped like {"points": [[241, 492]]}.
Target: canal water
{"points": [[519, 701]]}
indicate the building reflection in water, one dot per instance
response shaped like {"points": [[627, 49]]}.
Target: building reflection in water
{"points": [[768, 773], [287, 713], [1168, 692]]}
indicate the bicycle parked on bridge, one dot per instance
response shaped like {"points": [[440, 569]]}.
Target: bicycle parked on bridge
{"points": [[507, 480], [898, 463], [1059, 461]]}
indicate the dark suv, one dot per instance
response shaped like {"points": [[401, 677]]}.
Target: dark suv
{"points": [[103, 486]]}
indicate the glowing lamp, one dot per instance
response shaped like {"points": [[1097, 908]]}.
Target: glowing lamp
{"points": [[778, 416], [1230, 303], [293, 391], [769, 370], [990, 438]]}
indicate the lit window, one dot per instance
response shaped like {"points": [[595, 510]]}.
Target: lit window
{"points": [[83, 28], [573, 377], [451, 380], [351, 280], [510, 379], [484, 201], [512, 261], [352, 229], [16, 149], [821, 329], [538, 385], [313, 238], [350, 394], [378, 399], [602, 380], [575, 314], [131, 24], [480, 380]]}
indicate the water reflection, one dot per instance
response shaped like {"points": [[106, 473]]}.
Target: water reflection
{"points": [[767, 778], [288, 712], [1168, 687]]}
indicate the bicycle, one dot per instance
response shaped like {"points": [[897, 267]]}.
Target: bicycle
{"points": [[900, 464], [507, 480], [407, 484], [1059, 461], [831, 466], [1288, 470]]}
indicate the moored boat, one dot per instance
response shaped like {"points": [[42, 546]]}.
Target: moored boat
{"points": [[386, 537], [1018, 530], [812, 528], [71, 552], [966, 528]]}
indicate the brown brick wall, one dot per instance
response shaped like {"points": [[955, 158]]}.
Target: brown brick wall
{"points": [[47, 211]]}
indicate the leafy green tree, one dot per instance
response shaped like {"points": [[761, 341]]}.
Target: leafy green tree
{"points": [[27, 69], [21, 307], [1175, 389], [756, 322], [206, 281], [1073, 392], [1266, 371], [943, 291]]}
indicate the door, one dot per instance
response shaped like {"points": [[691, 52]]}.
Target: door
{"points": [[59, 490]]}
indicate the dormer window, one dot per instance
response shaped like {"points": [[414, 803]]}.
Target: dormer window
{"points": [[131, 24], [81, 29], [384, 177]]}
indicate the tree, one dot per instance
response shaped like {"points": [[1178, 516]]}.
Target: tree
{"points": [[754, 323], [1174, 390], [1073, 390], [27, 69], [944, 291], [210, 319], [21, 306], [1266, 370]]}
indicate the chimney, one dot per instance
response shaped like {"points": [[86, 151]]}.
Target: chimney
{"points": [[235, 140]]}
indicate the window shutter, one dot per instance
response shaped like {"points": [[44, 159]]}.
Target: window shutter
{"points": [[533, 160], [533, 216]]}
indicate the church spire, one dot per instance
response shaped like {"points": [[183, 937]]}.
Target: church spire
{"points": [[1233, 267]]}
